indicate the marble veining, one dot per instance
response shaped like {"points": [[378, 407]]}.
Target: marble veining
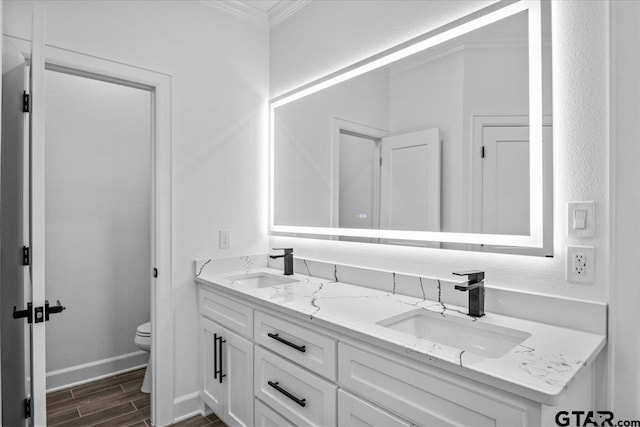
{"points": [[544, 363], [307, 267], [203, 266], [551, 368], [424, 296]]}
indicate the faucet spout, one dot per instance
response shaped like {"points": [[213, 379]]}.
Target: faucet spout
{"points": [[475, 287], [468, 286], [288, 259]]}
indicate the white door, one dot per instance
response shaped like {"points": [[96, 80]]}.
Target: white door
{"points": [[505, 185], [227, 373], [410, 186], [13, 239], [37, 220], [237, 365], [26, 207], [505, 180], [213, 391]]}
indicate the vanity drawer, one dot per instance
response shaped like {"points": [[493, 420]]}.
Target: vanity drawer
{"points": [[426, 399], [264, 416], [353, 411], [305, 347], [302, 397], [226, 312]]}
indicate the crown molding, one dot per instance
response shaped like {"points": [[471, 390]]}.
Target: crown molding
{"points": [[242, 11], [284, 10]]}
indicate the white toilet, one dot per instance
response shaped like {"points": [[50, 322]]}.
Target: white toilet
{"points": [[143, 341]]}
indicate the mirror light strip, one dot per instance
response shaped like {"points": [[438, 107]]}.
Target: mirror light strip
{"points": [[437, 39]]}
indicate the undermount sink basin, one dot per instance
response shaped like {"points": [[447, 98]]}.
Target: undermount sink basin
{"points": [[261, 280], [483, 339]]}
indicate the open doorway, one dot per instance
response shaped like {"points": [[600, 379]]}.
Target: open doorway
{"points": [[98, 213]]}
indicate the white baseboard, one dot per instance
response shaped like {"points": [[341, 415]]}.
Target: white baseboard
{"points": [[187, 406], [87, 372]]}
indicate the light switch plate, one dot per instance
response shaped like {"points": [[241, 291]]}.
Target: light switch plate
{"points": [[588, 231], [580, 264]]}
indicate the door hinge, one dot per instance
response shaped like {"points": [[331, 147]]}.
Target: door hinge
{"points": [[26, 102], [155, 273], [27, 408], [482, 153], [26, 255]]}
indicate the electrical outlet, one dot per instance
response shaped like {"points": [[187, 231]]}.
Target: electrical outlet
{"points": [[224, 241], [580, 264]]}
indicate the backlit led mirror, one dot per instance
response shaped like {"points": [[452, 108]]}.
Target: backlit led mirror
{"points": [[444, 141]]}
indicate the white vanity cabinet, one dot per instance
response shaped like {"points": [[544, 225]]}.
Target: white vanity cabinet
{"points": [[226, 372], [288, 371]]}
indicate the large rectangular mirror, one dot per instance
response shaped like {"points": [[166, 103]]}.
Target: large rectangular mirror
{"points": [[444, 141]]}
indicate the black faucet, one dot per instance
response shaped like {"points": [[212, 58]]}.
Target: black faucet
{"points": [[288, 259], [475, 287]]}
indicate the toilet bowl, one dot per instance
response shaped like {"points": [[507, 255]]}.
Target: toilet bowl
{"points": [[143, 341]]}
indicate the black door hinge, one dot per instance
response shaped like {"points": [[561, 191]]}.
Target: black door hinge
{"points": [[26, 255], [26, 102], [482, 153], [155, 273], [27, 408]]}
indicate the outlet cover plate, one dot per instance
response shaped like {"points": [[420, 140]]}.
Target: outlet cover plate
{"points": [[224, 239], [588, 231], [580, 264]]}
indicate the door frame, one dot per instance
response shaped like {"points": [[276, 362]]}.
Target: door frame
{"points": [[365, 131], [160, 86]]}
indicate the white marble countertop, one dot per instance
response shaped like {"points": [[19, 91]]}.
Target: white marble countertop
{"points": [[540, 368]]}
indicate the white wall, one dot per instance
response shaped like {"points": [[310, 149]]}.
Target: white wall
{"points": [[326, 36], [219, 70], [624, 347], [98, 217]]}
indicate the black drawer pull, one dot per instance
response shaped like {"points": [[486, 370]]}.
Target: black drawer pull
{"points": [[301, 402], [301, 348]]}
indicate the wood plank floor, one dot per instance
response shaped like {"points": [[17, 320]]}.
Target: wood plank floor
{"points": [[111, 402]]}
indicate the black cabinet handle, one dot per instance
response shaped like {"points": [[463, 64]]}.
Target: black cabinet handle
{"points": [[301, 402], [217, 357], [300, 348], [220, 352]]}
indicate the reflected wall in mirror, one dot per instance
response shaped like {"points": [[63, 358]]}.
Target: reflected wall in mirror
{"points": [[433, 147]]}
